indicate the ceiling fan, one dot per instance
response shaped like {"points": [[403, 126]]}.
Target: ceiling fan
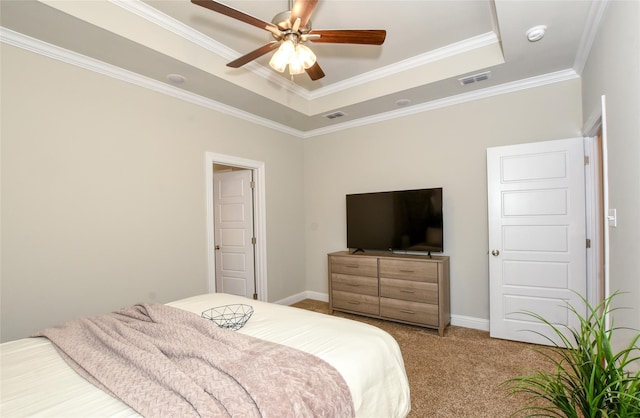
{"points": [[291, 29]]}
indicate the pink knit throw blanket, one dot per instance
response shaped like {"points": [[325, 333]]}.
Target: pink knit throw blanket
{"points": [[166, 362]]}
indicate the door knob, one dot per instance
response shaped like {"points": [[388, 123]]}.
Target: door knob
{"points": [[217, 247], [495, 253]]}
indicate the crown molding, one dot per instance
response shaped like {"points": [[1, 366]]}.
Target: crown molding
{"points": [[448, 51], [166, 22], [69, 57], [514, 86], [39, 47], [594, 21], [170, 24]]}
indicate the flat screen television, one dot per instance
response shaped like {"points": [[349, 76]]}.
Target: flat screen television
{"points": [[403, 220]]}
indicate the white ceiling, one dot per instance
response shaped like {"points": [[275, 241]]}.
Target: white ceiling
{"points": [[429, 45]]}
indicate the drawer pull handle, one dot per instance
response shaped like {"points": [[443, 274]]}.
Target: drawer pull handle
{"points": [[407, 291], [353, 302], [353, 284], [407, 312], [407, 271], [352, 266]]}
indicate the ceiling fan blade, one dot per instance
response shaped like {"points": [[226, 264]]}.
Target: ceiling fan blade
{"points": [[237, 14], [302, 9], [253, 54], [315, 72], [367, 37]]}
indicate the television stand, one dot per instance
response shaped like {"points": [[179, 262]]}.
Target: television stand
{"points": [[357, 250], [412, 289]]}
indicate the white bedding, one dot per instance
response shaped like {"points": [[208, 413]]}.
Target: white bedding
{"points": [[37, 382]]}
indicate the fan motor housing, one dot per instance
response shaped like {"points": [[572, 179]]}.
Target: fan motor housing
{"points": [[283, 21]]}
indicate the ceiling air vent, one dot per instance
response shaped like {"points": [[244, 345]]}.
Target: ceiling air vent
{"points": [[474, 78], [334, 115]]}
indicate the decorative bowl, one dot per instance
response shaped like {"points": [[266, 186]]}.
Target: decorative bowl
{"points": [[229, 316]]}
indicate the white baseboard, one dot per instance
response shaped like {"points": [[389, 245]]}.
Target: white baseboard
{"points": [[457, 320], [470, 322], [307, 294]]}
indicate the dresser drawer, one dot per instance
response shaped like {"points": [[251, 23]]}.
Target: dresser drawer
{"points": [[409, 270], [358, 266], [420, 313], [355, 302], [409, 290], [354, 284]]}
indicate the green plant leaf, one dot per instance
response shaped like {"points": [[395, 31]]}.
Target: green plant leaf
{"points": [[588, 379]]}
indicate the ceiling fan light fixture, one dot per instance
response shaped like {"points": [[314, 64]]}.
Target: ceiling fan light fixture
{"points": [[282, 56], [277, 63], [297, 56], [293, 25], [305, 56], [295, 66]]}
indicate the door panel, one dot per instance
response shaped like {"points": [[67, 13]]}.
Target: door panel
{"points": [[534, 238], [546, 274], [232, 237], [537, 237], [553, 311], [535, 202]]}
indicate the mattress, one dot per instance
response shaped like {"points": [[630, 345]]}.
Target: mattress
{"points": [[37, 382]]}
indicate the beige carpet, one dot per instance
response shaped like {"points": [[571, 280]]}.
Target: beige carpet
{"points": [[458, 375]]}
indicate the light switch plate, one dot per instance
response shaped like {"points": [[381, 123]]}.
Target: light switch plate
{"points": [[612, 218]]}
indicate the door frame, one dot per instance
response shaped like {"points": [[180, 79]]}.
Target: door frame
{"points": [[598, 154], [258, 169]]}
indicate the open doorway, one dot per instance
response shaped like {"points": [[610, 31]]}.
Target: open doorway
{"points": [[232, 269]]}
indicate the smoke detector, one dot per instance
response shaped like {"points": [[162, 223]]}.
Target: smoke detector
{"points": [[536, 33], [176, 78]]}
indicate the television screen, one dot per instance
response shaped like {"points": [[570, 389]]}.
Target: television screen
{"points": [[409, 220]]}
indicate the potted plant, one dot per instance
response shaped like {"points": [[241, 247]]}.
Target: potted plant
{"points": [[587, 379]]}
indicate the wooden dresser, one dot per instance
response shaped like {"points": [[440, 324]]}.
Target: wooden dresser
{"points": [[412, 289]]}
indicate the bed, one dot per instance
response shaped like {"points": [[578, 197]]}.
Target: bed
{"points": [[36, 381]]}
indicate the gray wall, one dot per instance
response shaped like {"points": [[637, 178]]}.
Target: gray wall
{"points": [[103, 194], [103, 201], [613, 70], [440, 148]]}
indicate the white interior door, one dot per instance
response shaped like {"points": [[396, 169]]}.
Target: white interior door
{"points": [[233, 225], [537, 238]]}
